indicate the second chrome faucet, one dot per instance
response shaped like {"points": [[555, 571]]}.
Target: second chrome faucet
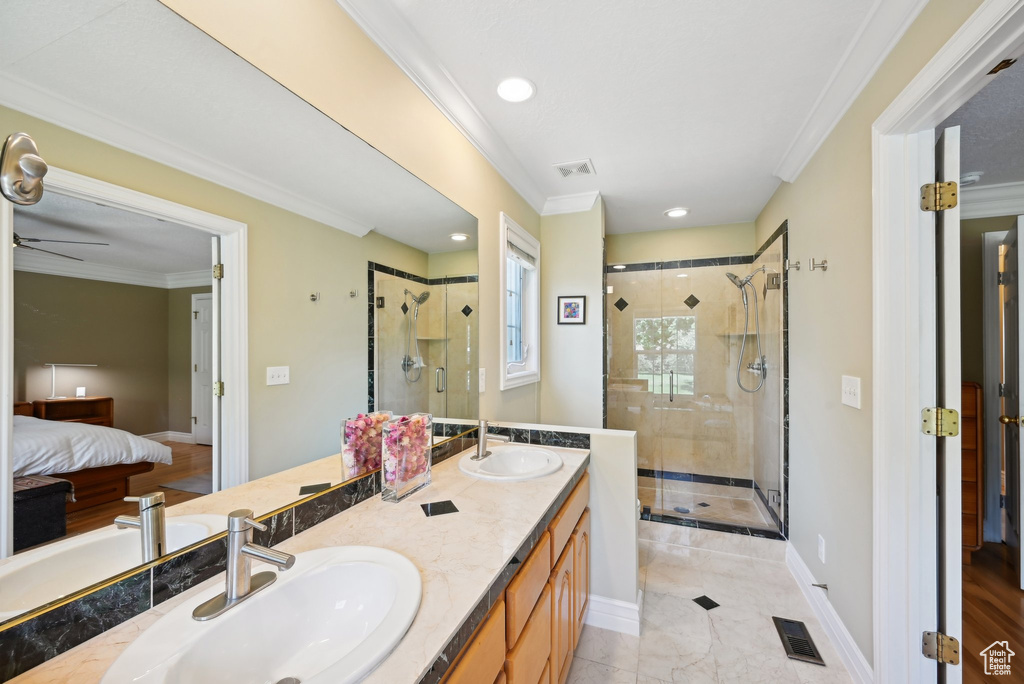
{"points": [[240, 583]]}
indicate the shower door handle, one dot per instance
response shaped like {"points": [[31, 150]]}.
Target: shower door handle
{"points": [[440, 379], [671, 385]]}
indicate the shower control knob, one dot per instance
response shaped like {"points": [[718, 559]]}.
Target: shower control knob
{"points": [[1010, 420]]}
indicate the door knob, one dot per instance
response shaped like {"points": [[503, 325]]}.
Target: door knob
{"points": [[1010, 420]]}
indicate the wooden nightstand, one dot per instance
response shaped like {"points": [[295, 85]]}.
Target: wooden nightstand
{"points": [[92, 410]]}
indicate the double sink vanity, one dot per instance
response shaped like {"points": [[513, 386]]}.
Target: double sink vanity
{"points": [[491, 586]]}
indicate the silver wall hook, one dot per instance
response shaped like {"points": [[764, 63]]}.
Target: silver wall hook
{"points": [[314, 296], [823, 265], [21, 170], [791, 265]]}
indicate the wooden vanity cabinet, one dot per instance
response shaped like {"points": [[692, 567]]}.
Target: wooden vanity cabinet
{"points": [[563, 615], [525, 588], [581, 576], [526, 662], [484, 658]]}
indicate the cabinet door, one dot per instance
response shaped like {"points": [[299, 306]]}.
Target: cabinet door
{"points": [[525, 663], [562, 615], [581, 574], [485, 656]]}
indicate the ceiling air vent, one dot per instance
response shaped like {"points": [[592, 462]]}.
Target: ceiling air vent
{"points": [[583, 167]]}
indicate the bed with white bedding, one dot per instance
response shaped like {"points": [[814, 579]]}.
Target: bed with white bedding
{"points": [[48, 447]]}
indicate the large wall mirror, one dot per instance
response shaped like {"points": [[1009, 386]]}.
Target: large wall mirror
{"points": [[340, 266]]}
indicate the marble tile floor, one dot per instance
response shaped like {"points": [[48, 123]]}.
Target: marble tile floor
{"points": [[725, 509], [681, 642]]}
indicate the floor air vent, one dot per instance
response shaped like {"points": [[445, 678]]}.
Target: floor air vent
{"points": [[797, 641], [583, 167]]}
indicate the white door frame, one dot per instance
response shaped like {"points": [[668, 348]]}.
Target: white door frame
{"points": [[233, 438], [902, 140]]}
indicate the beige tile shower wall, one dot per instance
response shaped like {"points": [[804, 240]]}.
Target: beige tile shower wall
{"points": [[708, 431], [767, 419], [395, 392]]}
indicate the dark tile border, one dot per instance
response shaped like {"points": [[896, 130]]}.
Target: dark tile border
{"points": [[696, 478], [372, 268], [714, 526], [680, 263], [495, 592]]}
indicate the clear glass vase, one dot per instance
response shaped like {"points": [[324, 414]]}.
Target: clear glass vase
{"points": [[406, 466], [362, 443]]}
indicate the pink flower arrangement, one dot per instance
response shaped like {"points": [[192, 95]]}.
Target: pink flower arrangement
{"points": [[361, 443], [407, 442]]}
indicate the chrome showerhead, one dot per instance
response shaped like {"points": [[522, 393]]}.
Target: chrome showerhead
{"points": [[424, 296], [736, 280]]}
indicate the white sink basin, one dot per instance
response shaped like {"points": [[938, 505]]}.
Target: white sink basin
{"points": [[41, 575], [332, 618], [512, 462]]}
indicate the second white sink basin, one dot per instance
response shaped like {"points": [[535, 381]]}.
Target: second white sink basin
{"points": [[511, 463], [38, 576], [332, 618]]}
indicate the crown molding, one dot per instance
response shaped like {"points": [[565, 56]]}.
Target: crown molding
{"points": [[570, 204], [29, 99], [1004, 199], [399, 41], [882, 29], [48, 265]]}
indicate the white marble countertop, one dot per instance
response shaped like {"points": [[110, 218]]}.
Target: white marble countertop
{"points": [[458, 555]]}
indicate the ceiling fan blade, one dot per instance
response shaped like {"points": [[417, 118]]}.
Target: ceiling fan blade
{"points": [[46, 251], [66, 242]]}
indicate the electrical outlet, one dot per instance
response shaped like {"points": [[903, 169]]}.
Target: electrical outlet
{"points": [[821, 549], [851, 391], [482, 384], [277, 375]]}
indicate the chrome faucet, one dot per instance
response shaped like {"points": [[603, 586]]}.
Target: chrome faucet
{"points": [[150, 522], [481, 443], [240, 582]]}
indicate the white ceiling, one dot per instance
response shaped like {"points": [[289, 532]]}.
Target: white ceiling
{"points": [[699, 103], [136, 242], [134, 74], [992, 130]]}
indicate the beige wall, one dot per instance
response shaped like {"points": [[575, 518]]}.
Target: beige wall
{"points": [[452, 264], [122, 328], [315, 49], [179, 357], [289, 257], [571, 248], [683, 243], [972, 322], [829, 212]]}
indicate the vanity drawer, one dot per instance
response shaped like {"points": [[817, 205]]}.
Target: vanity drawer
{"points": [[564, 523], [526, 662], [524, 589], [485, 655]]}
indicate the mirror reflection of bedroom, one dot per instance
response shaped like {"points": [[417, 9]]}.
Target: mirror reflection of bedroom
{"points": [[113, 329]]}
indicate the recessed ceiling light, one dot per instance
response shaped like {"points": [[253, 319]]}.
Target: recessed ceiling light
{"points": [[619, 267], [459, 237], [971, 178], [677, 212], [682, 275], [516, 89]]}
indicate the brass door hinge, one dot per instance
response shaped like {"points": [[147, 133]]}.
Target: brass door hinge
{"points": [[938, 196], [218, 271], [218, 389], [938, 646], [195, 314], [194, 421], [941, 422]]}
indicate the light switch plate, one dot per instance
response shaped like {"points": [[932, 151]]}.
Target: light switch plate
{"points": [[277, 375], [821, 549], [851, 391]]}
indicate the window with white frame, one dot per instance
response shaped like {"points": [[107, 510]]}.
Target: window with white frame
{"points": [[520, 306]]}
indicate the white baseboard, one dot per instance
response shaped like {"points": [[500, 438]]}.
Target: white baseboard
{"points": [[618, 616], [856, 664], [171, 436]]}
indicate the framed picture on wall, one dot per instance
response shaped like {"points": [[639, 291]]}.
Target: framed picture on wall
{"points": [[572, 310]]}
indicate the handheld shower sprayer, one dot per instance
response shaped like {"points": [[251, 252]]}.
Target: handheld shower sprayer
{"points": [[412, 363], [759, 366]]}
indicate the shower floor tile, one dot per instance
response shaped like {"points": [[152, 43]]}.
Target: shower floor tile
{"points": [[725, 509], [681, 487]]}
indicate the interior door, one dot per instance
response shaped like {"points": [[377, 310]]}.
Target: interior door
{"points": [[1012, 409], [215, 365], [948, 390], [202, 368]]}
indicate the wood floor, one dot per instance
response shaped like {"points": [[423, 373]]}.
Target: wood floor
{"points": [[993, 611], [186, 460]]}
